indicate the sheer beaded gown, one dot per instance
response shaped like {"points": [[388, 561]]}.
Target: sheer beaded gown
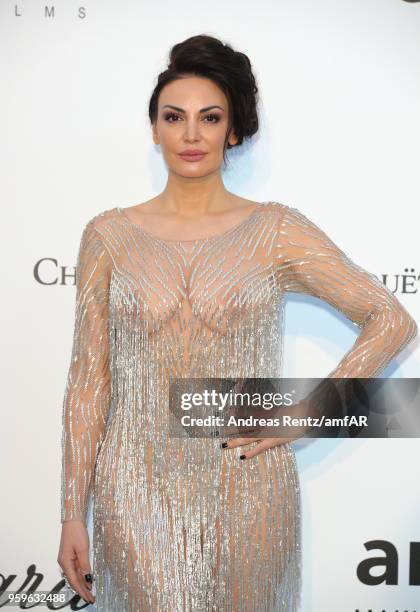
{"points": [[180, 524]]}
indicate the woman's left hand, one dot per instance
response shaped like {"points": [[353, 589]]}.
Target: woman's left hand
{"points": [[263, 445]]}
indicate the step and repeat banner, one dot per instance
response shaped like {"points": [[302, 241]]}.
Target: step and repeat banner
{"points": [[339, 85]]}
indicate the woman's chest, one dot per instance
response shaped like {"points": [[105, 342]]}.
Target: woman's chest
{"points": [[216, 284]]}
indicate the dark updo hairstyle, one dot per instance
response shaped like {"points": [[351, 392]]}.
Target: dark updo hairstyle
{"points": [[209, 57]]}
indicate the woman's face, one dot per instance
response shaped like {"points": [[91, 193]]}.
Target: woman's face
{"points": [[182, 124]]}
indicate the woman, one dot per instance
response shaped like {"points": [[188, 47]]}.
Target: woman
{"points": [[190, 284]]}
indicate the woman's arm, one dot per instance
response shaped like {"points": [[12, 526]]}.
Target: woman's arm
{"points": [[309, 262], [87, 394]]}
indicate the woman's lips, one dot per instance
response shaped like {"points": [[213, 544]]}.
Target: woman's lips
{"points": [[192, 158]]}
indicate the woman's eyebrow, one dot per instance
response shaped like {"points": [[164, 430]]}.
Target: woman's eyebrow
{"points": [[202, 110]]}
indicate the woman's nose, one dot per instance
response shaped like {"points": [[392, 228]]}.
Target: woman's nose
{"points": [[192, 130]]}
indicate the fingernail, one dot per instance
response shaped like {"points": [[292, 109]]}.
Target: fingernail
{"points": [[223, 445], [88, 577], [242, 457]]}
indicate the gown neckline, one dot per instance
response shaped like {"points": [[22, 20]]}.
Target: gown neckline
{"points": [[255, 210]]}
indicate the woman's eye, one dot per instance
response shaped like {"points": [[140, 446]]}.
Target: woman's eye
{"points": [[169, 116]]}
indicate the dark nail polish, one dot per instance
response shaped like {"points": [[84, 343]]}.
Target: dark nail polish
{"points": [[242, 457], [223, 445], [88, 577]]}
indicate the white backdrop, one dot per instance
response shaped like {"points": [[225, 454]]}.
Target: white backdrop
{"points": [[340, 91]]}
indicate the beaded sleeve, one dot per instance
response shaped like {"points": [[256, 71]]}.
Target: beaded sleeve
{"points": [[309, 262], [87, 393]]}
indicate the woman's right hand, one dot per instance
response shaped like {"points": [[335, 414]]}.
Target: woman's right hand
{"points": [[73, 557]]}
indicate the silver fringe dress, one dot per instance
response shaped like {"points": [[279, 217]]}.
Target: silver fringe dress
{"points": [[181, 524]]}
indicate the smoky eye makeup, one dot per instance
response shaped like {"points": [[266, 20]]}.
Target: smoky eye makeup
{"points": [[172, 117]]}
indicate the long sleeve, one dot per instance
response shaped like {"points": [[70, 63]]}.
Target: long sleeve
{"points": [[307, 261], [87, 393]]}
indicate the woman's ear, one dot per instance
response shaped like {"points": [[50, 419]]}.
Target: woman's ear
{"points": [[232, 140], [155, 134]]}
